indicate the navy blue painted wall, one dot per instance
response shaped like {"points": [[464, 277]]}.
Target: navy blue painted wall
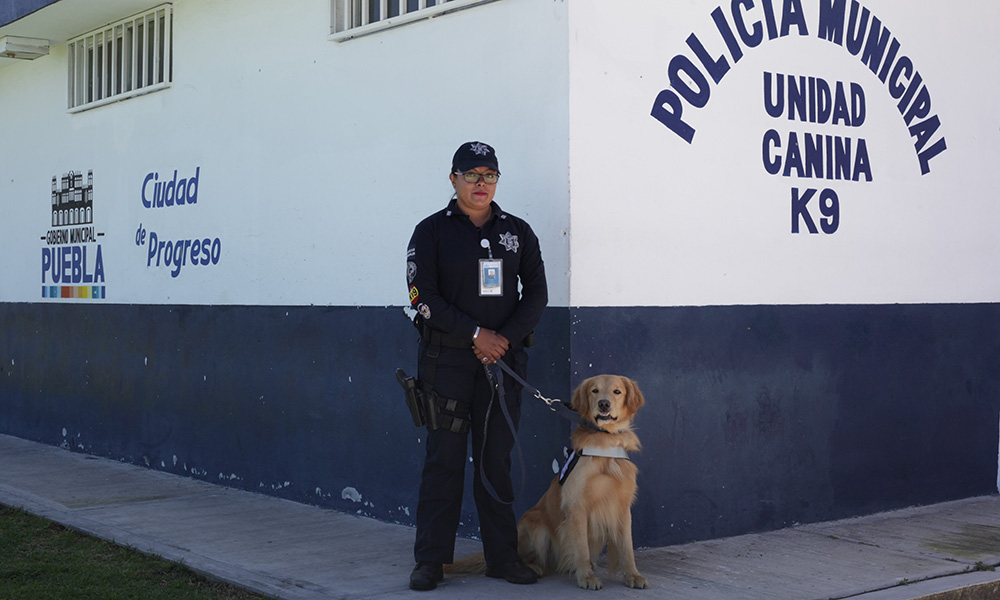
{"points": [[303, 395], [756, 417]]}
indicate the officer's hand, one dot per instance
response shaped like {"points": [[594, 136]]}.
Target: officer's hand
{"points": [[490, 346]]}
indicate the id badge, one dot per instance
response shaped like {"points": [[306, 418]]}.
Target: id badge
{"points": [[490, 277]]}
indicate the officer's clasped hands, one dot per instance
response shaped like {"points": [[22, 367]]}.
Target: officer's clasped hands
{"points": [[490, 346]]}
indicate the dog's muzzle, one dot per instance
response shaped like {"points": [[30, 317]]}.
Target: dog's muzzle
{"points": [[604, 410]]}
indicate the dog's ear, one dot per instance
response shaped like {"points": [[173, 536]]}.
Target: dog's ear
{"points": [[580, 395], [635, 399]]}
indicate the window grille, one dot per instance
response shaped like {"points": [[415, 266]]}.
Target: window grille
{"points": [[121, 60], [355, 18]]}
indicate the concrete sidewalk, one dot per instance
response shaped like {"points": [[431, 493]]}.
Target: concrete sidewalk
{"points": [[294, 551]]}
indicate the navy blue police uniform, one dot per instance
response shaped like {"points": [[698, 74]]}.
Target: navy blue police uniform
{"points": [[443, 273]]}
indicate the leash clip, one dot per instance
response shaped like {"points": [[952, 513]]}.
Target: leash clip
{"points": [[547, 401], [576, 418]]}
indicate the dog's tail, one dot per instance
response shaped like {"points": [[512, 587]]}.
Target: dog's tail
{"points": [[470, 564]]}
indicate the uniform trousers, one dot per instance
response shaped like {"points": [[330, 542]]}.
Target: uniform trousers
{"points": [[461, 376]]}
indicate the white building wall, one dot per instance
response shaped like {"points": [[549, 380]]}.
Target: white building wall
{"points": [[314, 158], [658, 221]]}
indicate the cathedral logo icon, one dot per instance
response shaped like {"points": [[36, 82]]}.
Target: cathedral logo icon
{"points": [[72, 260]]}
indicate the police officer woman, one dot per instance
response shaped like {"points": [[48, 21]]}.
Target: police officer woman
{"points": [[464, 264]]}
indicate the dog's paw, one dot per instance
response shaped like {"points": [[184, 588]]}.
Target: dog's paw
{"points": [[589, 582], [635, 580], [537, 568]]}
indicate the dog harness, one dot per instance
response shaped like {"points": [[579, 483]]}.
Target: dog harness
{"points": [[613, 452]]}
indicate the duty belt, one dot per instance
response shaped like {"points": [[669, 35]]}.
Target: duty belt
{"points": [[447, 413]]}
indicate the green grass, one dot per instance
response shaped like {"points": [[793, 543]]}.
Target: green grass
{"points": [[41, 560]]}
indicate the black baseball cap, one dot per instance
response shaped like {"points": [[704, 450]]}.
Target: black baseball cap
{"points": [[474, 154]]}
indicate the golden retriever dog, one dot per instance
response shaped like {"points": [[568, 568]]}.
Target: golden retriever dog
{"points": [[574, 520]]}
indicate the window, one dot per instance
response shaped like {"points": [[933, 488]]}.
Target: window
{"points": [[354, 18], [124, 59]]}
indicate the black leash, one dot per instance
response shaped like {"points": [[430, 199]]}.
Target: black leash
{"points": [[556, 406], [496, 378], [495, 375]]}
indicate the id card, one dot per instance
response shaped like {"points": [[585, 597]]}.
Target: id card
{"points": [[490, 277]]}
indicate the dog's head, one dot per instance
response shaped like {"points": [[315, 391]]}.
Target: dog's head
{"points": [[608, 401]]}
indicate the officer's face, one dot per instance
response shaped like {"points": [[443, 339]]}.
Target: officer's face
{"points": [[474, 197]]}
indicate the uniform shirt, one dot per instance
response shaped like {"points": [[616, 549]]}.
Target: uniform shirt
{"points": [[442, 271]]}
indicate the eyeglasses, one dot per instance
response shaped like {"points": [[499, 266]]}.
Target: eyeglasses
{"points": [[473, 177]]}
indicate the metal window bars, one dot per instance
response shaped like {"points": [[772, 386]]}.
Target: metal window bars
{"points": [[121, 60], [355, 18]]}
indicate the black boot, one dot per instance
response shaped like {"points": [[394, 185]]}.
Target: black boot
{"points": [[425, 576], [514, 572]]}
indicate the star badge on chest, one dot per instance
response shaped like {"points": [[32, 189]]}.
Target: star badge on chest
{"points": [[509, 242]]}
